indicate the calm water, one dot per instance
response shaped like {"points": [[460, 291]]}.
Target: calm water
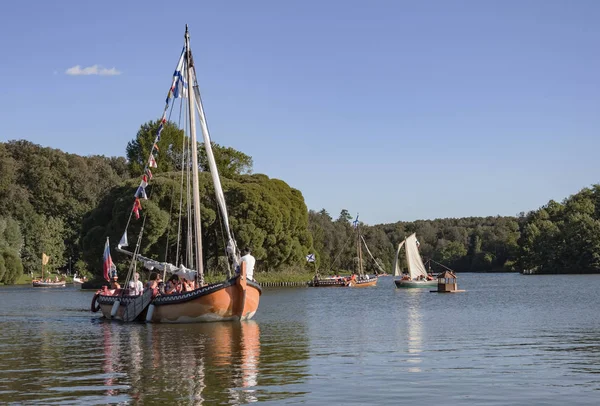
{"points": [[509, 340]]}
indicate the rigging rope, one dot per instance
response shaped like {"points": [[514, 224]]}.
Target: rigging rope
{"points": [[339, 253]]}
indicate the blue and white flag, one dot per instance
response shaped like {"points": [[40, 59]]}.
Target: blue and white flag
{"points": [[310, 257], [123, 242], [179, 82], [141, 192], [355, 222]]}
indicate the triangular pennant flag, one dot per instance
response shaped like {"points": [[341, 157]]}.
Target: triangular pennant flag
{"points": [[141, 192], [152, 162], [149, 173], [123, 242], [143, 183], [156, 148]]}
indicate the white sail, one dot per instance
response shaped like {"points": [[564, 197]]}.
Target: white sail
{"points": [[397, 271], [231, 245], [413, 258]]}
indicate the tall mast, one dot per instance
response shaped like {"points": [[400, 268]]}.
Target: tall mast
{"points": [[359, 249], [194, 148]]}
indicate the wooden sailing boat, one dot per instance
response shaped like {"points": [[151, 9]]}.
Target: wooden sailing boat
{"points": [[42, 283], [234, 299], [360, 279], [417, 276]]}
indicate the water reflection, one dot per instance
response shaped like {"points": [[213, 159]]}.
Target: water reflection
{"points": [[212, 363], [414, 330]]}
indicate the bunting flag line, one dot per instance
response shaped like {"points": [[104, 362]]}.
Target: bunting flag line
{"points": [[178, 85]]}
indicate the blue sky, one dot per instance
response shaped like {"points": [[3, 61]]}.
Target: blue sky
{"points": [[396, 110]]}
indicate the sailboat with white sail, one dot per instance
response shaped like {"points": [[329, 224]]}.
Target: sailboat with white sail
{"points": [[417, 276], [236, 298]]}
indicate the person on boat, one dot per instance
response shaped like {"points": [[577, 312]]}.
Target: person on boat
{"points": [[250, 262], [136, 287], [152, 283], [187, 285], [172, 285], [114, 284]]}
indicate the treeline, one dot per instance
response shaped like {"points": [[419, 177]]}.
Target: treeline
{"points": [[44, 194], [556, 238], [464, 244], [66, 205], [563, 237]]}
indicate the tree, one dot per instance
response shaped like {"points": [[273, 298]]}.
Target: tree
{"points": [[230, 162]]}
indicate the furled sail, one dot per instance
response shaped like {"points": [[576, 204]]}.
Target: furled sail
{"points": [[151, 264], [232, 249], [413, 258], [397, 271]]}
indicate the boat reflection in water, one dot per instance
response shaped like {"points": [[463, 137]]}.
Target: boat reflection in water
{"points": [[198, 363]]}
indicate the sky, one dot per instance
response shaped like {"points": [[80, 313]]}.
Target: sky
{"points": [[396, 110]]}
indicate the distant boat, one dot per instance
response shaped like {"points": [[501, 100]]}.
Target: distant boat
{"points": [[417, 276], [47, 282], [359, 278]]}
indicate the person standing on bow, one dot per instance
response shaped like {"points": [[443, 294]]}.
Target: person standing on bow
{"points": [[250, 262]]}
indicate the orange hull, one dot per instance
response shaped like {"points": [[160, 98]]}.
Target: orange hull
{"points": [[363, 283], [221, 302]]}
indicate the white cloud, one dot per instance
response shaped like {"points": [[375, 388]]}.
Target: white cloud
{"points": [[77, 70]]}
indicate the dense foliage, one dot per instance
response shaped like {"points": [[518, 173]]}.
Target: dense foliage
{"points": [[66, 205], [265, 214], [563, 238], [46, 192]]}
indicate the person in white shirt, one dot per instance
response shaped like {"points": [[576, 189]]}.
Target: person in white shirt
{"points": [[136, 286], [250, 261]]}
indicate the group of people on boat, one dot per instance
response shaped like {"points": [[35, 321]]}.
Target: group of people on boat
{"points": [[49, 280], [174, 285]]}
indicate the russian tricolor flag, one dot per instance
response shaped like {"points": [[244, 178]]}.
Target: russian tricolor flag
{"points": [[108, 265]]}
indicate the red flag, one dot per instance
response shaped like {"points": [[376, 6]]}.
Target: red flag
{"points": [[137, 206]]}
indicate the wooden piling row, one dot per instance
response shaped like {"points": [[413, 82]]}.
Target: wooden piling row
{"points": [[282, 284]]}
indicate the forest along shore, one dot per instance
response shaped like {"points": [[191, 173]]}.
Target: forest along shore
{"points": [[67, 205]]}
